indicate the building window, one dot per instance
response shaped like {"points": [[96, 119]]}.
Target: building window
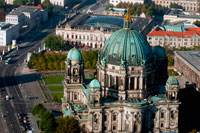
{"points": [[72, 36], [114, 127], [104, 127], [75, 96], [113, 68], [161, 125], [162, 115], [105, 118], [114, 117], [172, 114], [83, 37]]}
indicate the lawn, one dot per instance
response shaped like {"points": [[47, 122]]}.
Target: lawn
{"points": [[57, 97], [53, 79], [55, 88]]}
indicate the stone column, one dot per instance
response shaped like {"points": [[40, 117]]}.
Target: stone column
{"points": [[71, 99], [141, 83], [100, 122], [119, 121], [129, 83], [157, 119], [167, 119], [110, 121], [135, 84]]}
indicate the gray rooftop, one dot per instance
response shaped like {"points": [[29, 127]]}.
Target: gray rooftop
{"points": [[191, 57], [20, 10], [4, 26], [182, 14]]}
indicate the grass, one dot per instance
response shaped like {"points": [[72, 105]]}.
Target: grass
{"points": [[53, 79], [55, 88], [91, 76], [57, 97]]}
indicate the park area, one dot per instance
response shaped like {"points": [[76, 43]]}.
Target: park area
{"points": [[55, 87], [53, 79]]}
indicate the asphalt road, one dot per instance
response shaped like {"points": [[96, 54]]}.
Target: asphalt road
{"points": [[9, 82]]}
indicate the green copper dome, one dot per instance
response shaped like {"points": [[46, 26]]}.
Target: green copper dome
{"points": [[126, 47], [95, 84], [159, 52], [74, 55], [172, 81]]}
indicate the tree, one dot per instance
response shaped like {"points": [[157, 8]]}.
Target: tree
{"points": [[48, 122], [37, 109], [108, 6], [2, 4], [197, 23], [47, 4], [19, 2], [55, 42], [67, 125], [174, 5], [170, 60]]}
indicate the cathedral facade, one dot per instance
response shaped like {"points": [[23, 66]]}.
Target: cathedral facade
{"points": [[132, 91]]}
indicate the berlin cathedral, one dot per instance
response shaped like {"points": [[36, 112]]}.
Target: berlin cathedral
{"points": [[132, 92]]}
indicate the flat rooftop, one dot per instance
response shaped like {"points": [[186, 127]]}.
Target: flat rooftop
{"points": [[183, 14], [21, 10], [191, 57], [4, 26]]}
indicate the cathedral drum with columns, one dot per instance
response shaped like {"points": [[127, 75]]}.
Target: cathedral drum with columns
{"points": [[132, 92]]}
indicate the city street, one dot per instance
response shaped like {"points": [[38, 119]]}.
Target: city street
{"points": [[9, 82]]}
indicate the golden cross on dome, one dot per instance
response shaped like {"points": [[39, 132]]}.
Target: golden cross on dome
{"points": [[128, 16]]}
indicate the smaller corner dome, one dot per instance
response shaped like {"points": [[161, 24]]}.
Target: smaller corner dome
{"points": [[159, 52], [95, 84], [172, 81], [74, 55]]}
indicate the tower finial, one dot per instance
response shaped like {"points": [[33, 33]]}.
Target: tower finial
{"points": [[128, 16]]}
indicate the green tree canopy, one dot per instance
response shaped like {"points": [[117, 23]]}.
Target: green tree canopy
{"points": [[47, 4], [55, 42], [48, 122], [108, 6], [2, 4], [197, 23], [174, 5], [148, 9], [37, 109], [67, 125]]}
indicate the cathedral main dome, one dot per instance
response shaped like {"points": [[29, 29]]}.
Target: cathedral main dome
{"points": [[126, 46]]}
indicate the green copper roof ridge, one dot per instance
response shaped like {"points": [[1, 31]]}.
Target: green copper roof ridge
{"points": [[114, 45]]}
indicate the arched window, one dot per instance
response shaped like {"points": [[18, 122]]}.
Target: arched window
{"points": [[162, 115]]}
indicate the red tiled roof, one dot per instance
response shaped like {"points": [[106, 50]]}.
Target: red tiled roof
{"points": [[38, 6], [187, 34]]}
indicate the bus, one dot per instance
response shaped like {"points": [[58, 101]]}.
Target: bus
{"points": [[8, 61]]}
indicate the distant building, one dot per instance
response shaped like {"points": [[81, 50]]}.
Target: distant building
{"points": [[9, 2], [115, 2], [188, 64], [29, 16], [174, 36], [57, 3], [188, 5], [174, 15], [92, 31], [116, 11], [8, 32]]}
